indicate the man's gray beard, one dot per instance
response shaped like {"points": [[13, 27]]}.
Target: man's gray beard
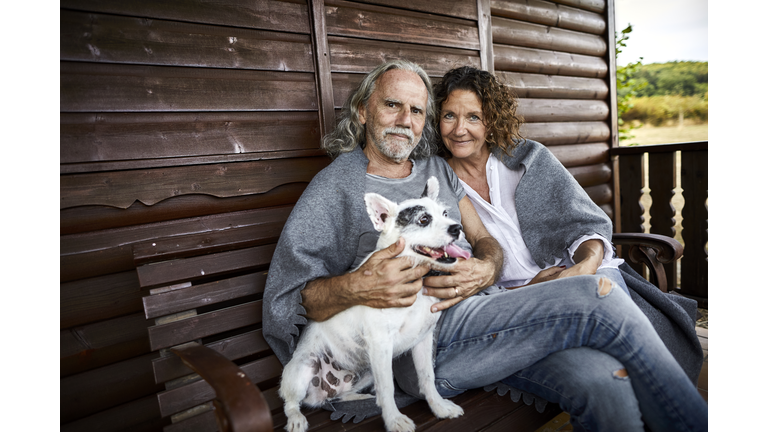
{"points": [[398, 153]]}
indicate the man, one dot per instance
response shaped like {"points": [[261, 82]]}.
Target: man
{"points": [[389, 114], [487, 333]]}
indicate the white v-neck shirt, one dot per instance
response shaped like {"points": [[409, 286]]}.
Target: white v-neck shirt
{"points": [[500, 219]]}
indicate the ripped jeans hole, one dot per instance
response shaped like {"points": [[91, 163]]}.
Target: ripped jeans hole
{"points": [[604, 287], [621, 374]]}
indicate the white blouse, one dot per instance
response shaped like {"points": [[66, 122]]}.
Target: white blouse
{"points": [[500, 219]]}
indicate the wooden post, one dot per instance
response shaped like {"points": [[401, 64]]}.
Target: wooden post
{"points": [[610, 37], [485, 28], [322, 59], [661, 179], [631, 166], [694, 266]]}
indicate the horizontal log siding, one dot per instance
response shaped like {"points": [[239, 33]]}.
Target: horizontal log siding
{"points": [[554, 55]]}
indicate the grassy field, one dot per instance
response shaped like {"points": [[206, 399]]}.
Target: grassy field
{"points": [[648, 134]]}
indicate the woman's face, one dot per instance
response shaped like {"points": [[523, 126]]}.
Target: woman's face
{"points": [[461, 124]]}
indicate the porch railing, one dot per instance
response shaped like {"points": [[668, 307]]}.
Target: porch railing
{"points": [[666, 165]]}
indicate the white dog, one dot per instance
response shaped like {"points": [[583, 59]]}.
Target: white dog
{"points": [[337, 358]]}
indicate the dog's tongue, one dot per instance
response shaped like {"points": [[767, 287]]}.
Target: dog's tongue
{"points": [[456, 251]]}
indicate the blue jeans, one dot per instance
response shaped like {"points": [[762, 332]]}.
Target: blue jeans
{"points": [[486, 339]]}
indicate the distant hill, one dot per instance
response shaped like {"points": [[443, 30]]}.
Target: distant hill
{"points": [[680, 78]]}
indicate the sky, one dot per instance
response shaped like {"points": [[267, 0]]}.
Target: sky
{"points": [[663, 30]]}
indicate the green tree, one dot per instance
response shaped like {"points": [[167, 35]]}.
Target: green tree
{"points": [[627, 86]]}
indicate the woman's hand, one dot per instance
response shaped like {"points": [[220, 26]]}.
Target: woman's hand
{"points": [[467, 278]]}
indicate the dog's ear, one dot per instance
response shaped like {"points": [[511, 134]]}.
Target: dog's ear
{"points": [[431, 189], [380, 210]]}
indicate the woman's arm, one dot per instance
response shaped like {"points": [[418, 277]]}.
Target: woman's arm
{"points": [[473, 275]]}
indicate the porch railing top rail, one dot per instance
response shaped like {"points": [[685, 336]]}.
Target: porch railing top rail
{"points": [[660, 148]]}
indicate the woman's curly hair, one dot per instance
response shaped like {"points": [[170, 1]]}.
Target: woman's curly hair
{"points": [[498, 101]]}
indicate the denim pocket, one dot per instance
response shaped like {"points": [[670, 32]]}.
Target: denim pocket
{"points": [[446, 390]]}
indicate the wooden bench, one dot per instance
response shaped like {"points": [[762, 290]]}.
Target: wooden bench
{"points": [[205, 294]]}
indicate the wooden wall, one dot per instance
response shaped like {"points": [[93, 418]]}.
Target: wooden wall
{"points": [[187, 117]]}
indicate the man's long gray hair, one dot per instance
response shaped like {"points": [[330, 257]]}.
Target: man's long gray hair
{"points": [[350, 133]]}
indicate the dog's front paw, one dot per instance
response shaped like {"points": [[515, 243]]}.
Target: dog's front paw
{"points": [[443, 408], [400, 423], [297, 423]]}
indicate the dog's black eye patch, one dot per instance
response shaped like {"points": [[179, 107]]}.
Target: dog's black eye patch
{"points": [[409, 215]]}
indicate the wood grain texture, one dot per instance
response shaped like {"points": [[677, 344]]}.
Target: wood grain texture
{"points": [[531, 60], [281, 15], [345, 18], [454, 8], [88, 87], [597, 6], [103, 137], [99, 298], [117, 39], [562, 110], [556, 133], [141, 415], [550, 14], [94, 218], [361, 56], [581, 154], [528, 85], [520, 33], [592, 175], [122, 188]]}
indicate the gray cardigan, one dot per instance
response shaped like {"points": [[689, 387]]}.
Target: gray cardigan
{"points": [[320, 239]]}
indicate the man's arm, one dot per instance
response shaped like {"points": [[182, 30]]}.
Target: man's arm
{"points": [[381, 282], [475, 274]]}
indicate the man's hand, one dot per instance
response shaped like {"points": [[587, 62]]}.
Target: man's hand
{"points": [[381, 282], [467, 279]]}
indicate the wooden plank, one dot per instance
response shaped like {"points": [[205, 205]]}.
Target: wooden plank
{"points": [[141, 415], [189, 269], [521, 33], [203, 295], [99, 344], [562, 110], [531, 60], [528, 85], [118, 39], [485, 29], [661, 178], [550, 14], [591, 175], [321, 56], [114, 249], [97, 299], [88, 87], [694, 266], [106, 387], [93, 218], [89, 137], [361, 56], [556, 133], [597, 6], [631, 175], [345, 18], [581, 154], [454, 8], [205, 422], [601, 194], [198, 392], [281, 15], [207, 324], [235, 347], [122, 188]]}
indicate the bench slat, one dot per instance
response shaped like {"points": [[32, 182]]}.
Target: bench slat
{"points": [[202, 295], [190, 269], [233, 348], [207, 324]]}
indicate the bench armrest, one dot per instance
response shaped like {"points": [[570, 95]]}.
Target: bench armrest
{"points": [[240, 405], [653, 250]]}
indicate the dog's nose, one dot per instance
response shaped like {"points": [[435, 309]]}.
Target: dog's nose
{"points": [[454, 230]]}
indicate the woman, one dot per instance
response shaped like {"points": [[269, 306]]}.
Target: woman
{"points": [[543, 220]]}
